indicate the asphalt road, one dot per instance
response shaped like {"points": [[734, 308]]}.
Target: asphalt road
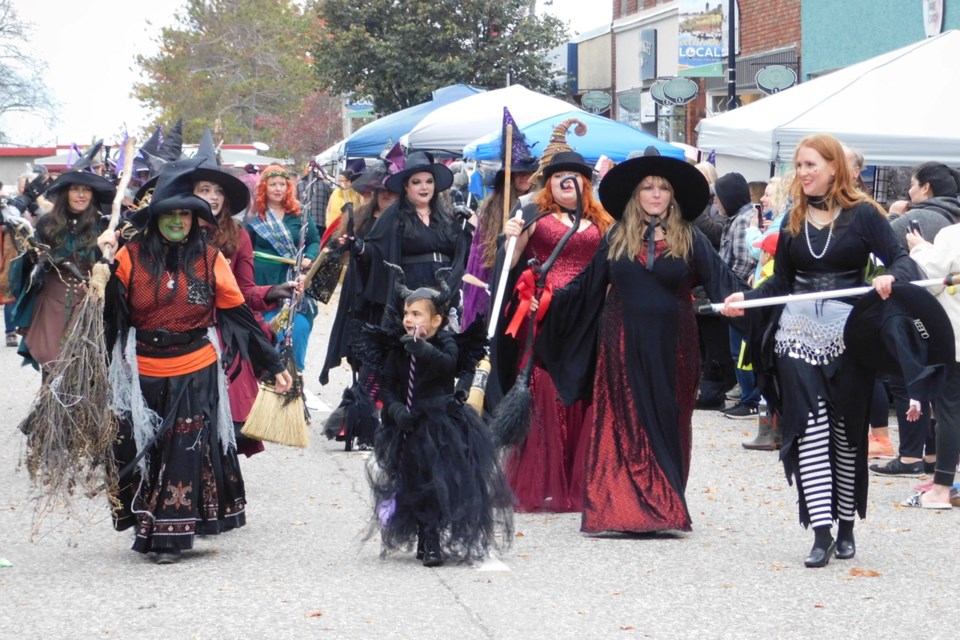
{"points": [[300, 569]]}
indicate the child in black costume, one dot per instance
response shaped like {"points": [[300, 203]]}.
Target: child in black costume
{"points": [[436, 477]]}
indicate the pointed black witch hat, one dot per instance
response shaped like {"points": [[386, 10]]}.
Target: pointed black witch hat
{"points": [[236, 192]]}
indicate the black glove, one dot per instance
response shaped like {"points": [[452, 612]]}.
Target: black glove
{"points": [[419, 347], [401, 417], [31, 191], [36, 187], [357, 245], [278, 292]]}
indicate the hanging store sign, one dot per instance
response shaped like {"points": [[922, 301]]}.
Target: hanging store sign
{"points": [[596, 101], [674, 91], [775, 78]]}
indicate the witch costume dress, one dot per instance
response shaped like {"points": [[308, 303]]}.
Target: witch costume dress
{"points": [[546, 471], [634, 351], [440, 481], [801, 363], [49, 289], [169, 388]]}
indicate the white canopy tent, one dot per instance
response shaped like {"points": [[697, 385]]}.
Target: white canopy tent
{"points": [[330, 156], [452, 127], [896, 108]]}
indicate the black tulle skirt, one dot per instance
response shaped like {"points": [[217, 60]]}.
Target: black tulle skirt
{"points": [[446, 475]]}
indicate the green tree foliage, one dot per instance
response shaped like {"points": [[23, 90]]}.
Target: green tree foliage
{"points": [[398, 51], [236, 60]]}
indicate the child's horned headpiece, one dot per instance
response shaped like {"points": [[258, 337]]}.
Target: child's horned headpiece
{"points": [[440, 296]]}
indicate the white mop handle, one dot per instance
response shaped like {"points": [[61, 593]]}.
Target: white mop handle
{"points": [[813, 295], [502, 283]]}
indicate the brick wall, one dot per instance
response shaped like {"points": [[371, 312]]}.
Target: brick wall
{"points": [[768, 25]]}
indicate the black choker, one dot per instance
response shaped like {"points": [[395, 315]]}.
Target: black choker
{"points": [[818, 202]]}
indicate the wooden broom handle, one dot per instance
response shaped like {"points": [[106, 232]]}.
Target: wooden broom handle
{"points": [[125, 174]]}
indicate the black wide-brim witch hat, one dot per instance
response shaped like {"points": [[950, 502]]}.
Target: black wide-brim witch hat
{"points": [[103, 190], [417, 162], [907, 334], [174, 190], [235, 191], [690, 188], [371, 179]]}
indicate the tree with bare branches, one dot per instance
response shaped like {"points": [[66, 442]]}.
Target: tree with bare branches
{"points": [[22, 86]]}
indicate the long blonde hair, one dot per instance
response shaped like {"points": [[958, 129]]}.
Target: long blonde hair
{"points": [[843, 192], [626, 239]]}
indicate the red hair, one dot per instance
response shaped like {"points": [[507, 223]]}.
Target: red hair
{"points": [[592, 209], [290, 203]]}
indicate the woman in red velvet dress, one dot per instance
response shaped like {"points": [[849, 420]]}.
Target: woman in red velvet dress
{"points": [[623, 333], [546, 472]]}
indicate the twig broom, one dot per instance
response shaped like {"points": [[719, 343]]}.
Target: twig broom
{"points": [[70, 428]]}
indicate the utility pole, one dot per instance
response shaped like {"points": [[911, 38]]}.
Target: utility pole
{"points": [[732, 57]]}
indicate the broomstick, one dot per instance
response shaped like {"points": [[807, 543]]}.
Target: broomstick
{"points": [[512, 422], [478, 389], [275, 417], [70, 428]]}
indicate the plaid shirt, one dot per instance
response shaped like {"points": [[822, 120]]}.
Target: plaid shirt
{"points": [[734, 250], [315, 203]]}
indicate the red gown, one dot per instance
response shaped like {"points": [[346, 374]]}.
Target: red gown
{"points": [[626, 336], [546, 472]]}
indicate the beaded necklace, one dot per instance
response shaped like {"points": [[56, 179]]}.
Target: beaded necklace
{"points": [[806, 232]]}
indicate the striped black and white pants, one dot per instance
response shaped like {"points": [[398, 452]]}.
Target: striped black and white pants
{"points": [[823, 475]]}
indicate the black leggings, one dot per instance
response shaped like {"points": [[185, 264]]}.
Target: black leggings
{"points": [[948, 428]]}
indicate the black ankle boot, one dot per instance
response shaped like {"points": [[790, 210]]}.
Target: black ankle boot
{"points": [[846, 545], [824, 546], [432, 555], [420, 539]]}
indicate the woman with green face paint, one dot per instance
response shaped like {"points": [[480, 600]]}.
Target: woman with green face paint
{"points": [[174, 310], [175, 225]]}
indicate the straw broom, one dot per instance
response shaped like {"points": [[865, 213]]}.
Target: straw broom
{"points": [[70, 428], [276, 417]]}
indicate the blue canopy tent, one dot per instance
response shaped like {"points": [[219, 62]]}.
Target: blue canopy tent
{"points": [[369, 140], [604, 137]]}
